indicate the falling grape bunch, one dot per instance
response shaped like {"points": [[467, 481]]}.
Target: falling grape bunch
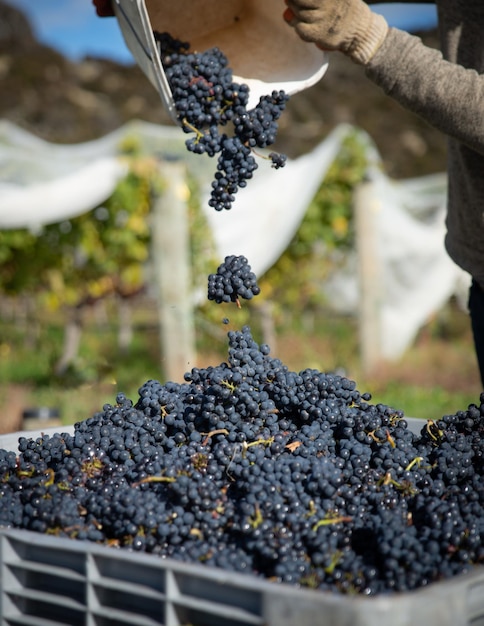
{"points": [[206, 100], [234, 279], [254, 468]]}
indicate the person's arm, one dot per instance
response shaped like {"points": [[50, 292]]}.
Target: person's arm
{"points": [[446, 95]]}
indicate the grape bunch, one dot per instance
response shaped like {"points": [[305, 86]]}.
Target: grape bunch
{"points": [[249, 466], [234, 279], [206, 100]]}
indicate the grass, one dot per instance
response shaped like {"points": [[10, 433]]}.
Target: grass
{"points": [[437, 375]]}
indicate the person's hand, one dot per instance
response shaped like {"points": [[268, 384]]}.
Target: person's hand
{"points": [[103, 8], [346, 25]]}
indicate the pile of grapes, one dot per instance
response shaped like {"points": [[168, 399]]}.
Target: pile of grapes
{"points": [[252, 467], [234, 279], [206, 100]]}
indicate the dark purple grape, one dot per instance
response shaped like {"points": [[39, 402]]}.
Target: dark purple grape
{"points": [[206, 99], [234, 279], [252, 467]]}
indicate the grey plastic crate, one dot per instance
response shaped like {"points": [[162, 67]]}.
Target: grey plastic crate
{"points": [[50, 581]]}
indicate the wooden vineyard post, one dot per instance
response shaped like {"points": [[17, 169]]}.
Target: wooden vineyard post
{"points": [[366, 206], [171, 259]]}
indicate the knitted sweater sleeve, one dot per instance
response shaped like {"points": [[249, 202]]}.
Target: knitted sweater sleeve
{"points": [[446, 95]]}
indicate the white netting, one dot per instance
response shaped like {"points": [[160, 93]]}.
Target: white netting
{"points": [[43, 183], [417, 276]]}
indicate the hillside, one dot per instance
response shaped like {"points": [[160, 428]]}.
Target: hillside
{"points": [[68, 102]]}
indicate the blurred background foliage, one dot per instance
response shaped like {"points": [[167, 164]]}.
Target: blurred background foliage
{"points": [[94, 270], [98, 266]]}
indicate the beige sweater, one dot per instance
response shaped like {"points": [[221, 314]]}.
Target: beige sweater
{"points": [[447, 90]]}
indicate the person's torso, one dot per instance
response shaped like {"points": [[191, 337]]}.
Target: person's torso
{"points": [[461, 26]]}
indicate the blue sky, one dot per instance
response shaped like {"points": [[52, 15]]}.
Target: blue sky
{"points": [[72, 26]]}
